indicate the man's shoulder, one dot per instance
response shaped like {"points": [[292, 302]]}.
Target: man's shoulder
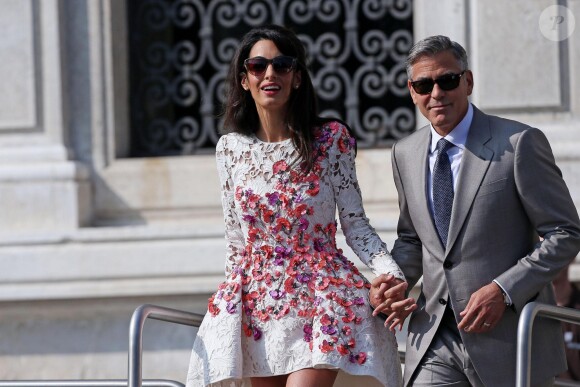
{"points": [[497, 122], [508, 131]]}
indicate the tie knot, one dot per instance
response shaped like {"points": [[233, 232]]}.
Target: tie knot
{"points": [[443, 145]]}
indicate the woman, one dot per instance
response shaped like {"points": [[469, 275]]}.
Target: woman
{"points": [[293, 310]]}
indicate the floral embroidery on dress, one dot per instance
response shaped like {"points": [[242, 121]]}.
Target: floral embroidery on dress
{"points": [[291, 299], [285, 259]]}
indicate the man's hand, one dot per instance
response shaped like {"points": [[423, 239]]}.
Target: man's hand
{"points": [[378, 287], [483, 311], [387, 295]]}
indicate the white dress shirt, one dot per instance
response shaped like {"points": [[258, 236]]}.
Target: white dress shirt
{"points": [[458, 137]]}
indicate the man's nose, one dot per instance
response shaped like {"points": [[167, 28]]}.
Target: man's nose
{"points": [[437, 92]]}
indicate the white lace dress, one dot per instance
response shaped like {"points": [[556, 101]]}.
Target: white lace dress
{"points": [[291, 300]]}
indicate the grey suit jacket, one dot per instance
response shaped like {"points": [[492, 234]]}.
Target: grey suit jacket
{"points": [[509, 192]]}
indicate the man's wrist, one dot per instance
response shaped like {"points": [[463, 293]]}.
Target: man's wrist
{"points": [[506, 298]]}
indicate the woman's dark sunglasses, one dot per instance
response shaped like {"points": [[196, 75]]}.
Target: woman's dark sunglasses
{"points": [[446, 82], [281, 64]]}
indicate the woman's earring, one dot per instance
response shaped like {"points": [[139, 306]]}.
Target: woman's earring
{"points": [[296, 86]]}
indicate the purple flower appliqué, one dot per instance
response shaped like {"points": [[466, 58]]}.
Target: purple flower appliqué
{"points": [[250, 219], [303, 224], [303, 277], [351, 142], [358, 301], [284, 251], [273, 198], [328, 329], [231, 307], [277, 294], [318, 244], [359, 358], [307, 332], [281, 254], [257, 334], [324, 137]]}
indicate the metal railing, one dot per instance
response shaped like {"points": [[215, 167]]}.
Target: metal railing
{"points": [[135, 379], [141, 314], [524, 344]]}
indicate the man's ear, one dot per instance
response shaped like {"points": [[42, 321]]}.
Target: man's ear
{"points": [[469, 80]]}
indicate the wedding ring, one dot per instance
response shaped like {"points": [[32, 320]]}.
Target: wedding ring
{"points": [[486, 325]]}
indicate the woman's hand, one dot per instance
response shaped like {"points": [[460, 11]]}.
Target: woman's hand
{"points": [[387, 295]]}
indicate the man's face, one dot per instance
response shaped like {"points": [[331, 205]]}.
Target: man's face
{"points": [[444, 109]]}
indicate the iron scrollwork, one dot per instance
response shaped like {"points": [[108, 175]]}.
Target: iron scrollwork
{"points": [[180, 51]]}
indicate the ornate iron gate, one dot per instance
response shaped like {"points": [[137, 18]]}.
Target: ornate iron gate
{"points": [[180, 51]]}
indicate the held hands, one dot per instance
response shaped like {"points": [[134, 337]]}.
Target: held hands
{"points": [[483, 311], [387, 295]]}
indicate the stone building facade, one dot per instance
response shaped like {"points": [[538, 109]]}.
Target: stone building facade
{"points": [[87, 233]]}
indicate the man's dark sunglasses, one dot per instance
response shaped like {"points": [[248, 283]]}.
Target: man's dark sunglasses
{"points": [[446, 82], [281, 64]]}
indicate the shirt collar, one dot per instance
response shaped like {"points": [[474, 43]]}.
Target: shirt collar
{"points": [[458, 136]]}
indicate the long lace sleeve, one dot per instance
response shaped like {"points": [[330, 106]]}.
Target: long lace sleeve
{"points": [[233, 232], [360, 235]]}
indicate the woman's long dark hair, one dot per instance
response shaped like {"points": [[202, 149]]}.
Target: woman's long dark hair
{"points": [[241, 115]]}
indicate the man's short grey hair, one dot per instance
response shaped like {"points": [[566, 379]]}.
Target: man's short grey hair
{"points": [[434, 45]]}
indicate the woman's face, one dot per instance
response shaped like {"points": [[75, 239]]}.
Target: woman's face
{"points": [[271, 89]]}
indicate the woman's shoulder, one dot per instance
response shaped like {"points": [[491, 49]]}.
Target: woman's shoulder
{"points": [[336, 134], [334, 128], [233, 140]]}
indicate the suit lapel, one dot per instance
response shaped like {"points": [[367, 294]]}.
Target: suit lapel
{"points": [[474, 164], [420, 188], [423, 171]]}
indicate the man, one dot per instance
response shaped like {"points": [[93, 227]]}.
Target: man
{"points": [[472, 209]]}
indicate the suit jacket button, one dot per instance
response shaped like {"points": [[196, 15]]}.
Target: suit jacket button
{"points": [[442, 301], [447, 265]]}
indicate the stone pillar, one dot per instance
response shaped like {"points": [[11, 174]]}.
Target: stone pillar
{"points": [[41, 188]]}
